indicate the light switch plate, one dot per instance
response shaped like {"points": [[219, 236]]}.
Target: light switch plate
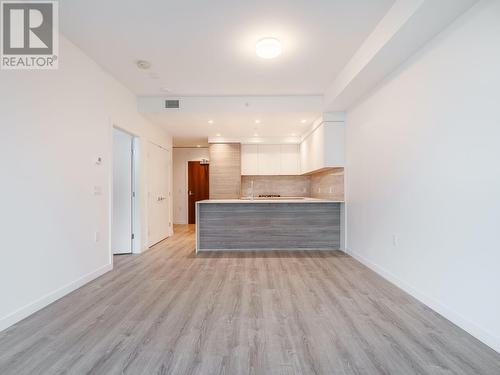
{"points": [[395, 240]]}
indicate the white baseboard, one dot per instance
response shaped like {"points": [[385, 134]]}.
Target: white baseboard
{"points": [[454, 317], [46, 300]]}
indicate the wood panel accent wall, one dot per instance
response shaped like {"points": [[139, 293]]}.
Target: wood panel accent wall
{"points": [[269, 226], [225, 170]]}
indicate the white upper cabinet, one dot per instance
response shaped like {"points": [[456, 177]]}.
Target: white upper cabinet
{"points": [[249, 160], [290, 160], [270, 160], [323, 148]]}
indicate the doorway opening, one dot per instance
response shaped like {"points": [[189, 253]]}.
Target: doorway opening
{"points": [[124, 216], [198, 187]]}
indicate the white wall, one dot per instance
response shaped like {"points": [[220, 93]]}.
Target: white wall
{"points": [[53, 126], [423, 163], [181, 158]]}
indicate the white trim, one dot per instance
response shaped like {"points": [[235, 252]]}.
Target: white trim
{"points": [[110, 190], [46, 300], [445, 311], [186, 191], [136, 191]]}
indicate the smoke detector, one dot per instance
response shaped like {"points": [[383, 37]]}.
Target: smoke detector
{"points": [[143, 64]]}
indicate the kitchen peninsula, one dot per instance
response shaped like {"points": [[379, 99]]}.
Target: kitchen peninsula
{"points": [[269, 224]]}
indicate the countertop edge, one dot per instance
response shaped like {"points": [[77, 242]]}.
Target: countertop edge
{"points": [[260, 201]]}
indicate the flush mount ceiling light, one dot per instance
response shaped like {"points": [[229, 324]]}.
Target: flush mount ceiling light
{"points": [[268, 48], [210, 122], [257, 121]]}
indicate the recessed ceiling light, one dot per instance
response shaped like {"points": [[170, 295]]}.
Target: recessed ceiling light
{"points": [[198, 145], [268, 48], [166, 89], [217, 135], [255, 134], [257, 121], [210, 122], [143, 64], [293, 134], [303, 121]]}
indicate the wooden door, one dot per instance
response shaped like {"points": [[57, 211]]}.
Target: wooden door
{"points": [[197, 187]]}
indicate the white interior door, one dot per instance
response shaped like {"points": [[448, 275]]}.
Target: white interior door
{"points": [[158, 193], [121, 240]]}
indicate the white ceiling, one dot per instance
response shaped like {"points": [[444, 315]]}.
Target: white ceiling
{"points": [[207, 47], [277, 127], [334, 51]]}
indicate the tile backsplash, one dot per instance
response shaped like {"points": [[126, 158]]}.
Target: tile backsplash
{"points": [[328, 184], [287, 186]]}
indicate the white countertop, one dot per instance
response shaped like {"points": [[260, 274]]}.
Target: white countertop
{"points": [[282, 200]]}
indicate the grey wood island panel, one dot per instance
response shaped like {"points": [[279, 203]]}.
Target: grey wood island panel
{"points": [[268, 225]]}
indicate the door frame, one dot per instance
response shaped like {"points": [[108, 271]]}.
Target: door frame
{"points": [[135, 206], [187, 186], [186, 192]]}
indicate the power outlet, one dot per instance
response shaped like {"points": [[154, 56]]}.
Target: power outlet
{"points": [[395, 240]]}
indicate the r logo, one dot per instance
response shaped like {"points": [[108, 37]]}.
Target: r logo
{"points": [[29, 34], [27, 29]]}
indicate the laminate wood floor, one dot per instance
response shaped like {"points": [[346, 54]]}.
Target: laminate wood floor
{"points": [[168, 311]]}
